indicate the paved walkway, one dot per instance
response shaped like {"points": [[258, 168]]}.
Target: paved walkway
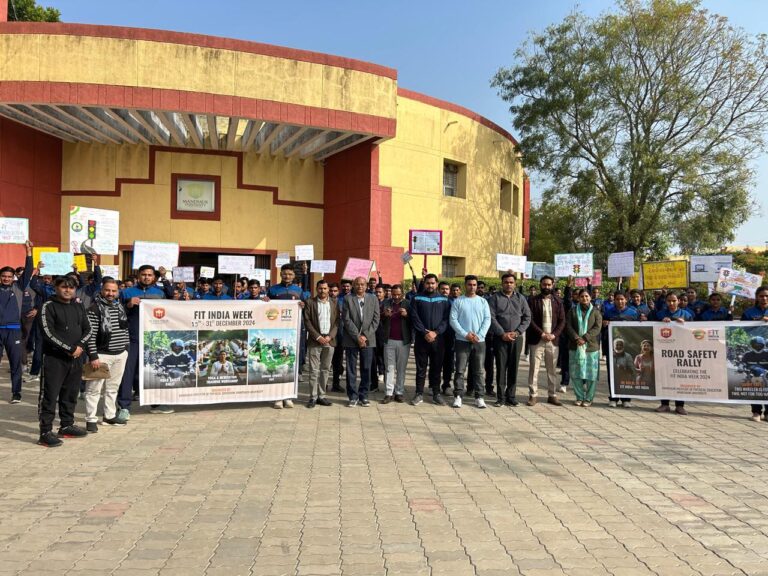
{"points": [[389, 490]]}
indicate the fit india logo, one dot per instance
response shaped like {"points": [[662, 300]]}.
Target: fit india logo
{"points": [[666, 332], [286, 315], [699, 334], [77, 227], [713, 333], [159, 313], [272, 314]]}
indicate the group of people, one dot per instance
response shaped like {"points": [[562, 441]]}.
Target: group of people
{"points": [[83, 331]]}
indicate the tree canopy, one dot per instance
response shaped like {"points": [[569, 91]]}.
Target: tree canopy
{"points": [[646, 119], [30, 11]]}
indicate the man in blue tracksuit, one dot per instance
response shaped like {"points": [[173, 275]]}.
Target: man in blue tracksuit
{"points": [[146, 288], [429, 317], [11, 299]]}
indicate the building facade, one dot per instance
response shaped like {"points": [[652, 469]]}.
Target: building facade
{"points": [[299, 147]]}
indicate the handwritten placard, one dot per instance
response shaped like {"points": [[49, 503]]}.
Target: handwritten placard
{"points": [[665, 274], [707, 268], [94, 229], [738, 283], [111, 270], [576, 265], [541, 269], [621, 264], [514, 262], [323, 266], [282, 258], [428, 242], [184, 274], [406, 257], [57, 263], [357, 267], [597, 278], [236, 264], [305, 252], [259, 274], [207, 272], [157, 254], [14, 230]]}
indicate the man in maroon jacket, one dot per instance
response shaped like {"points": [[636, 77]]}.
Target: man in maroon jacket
{"points": [[547, 322]]}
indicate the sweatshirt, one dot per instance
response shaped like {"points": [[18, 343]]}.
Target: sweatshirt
{"points": [[143, 293], [429, 312], [65, 327], [470, 315]]}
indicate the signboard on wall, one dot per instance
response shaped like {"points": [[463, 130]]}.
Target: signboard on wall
{"points": [[428, 242], [195, 195]]}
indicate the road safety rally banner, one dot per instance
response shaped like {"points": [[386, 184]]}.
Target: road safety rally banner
{"points": [[696, 361], [207, 352]]}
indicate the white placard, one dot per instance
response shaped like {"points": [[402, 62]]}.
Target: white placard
{"points": [[576, 265], [738, 283], [165, 254], [323, 266], [282, 258], [305, 252], [207, 272], [259, 274], [406, 257], [707, 268], [14, 231], [426, 242], [621, 265], [528, 274], [57, 263], [111, 270], [236, 264], [94, 228], [514, 262], [184, 274]]}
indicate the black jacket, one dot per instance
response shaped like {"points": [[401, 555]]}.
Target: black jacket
{"points": [[65, 327]]}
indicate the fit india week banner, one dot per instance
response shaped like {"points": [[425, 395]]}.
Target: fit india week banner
{"points": [[209, 352], [696, 362]]}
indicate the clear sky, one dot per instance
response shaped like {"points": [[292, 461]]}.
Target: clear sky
{"points": [[448, 49]]}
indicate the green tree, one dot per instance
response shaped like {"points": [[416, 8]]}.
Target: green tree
{"points": [[29, 11], [653, 113]]}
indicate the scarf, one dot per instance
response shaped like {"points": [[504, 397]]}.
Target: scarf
{"points": [[582, 316], [102, 306]]}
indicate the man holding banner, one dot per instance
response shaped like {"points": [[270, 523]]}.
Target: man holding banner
{"points": [[759, 312]]}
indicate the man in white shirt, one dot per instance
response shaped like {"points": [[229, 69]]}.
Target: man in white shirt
{"points": [[321, 318]]}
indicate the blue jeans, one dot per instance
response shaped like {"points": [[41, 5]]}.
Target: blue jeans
{"points": [[355, 392], [10, 341]]}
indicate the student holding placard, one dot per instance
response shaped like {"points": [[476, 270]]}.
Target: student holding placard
{"points": [[755, 313], [11, 301], [673, 313]]}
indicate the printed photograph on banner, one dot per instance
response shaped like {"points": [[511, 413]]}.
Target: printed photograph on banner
{"points": [[747, 353], [169, 359], [271, 355], [633, 361], [222, 357]]}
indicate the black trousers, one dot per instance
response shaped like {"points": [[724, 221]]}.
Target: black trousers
{"points": [[562, 360], [337, 362], [10, 342], [449, 360], [490, 354], [59, 384], [428, 354], [507, 361]]}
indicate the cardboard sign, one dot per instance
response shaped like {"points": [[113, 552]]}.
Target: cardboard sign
{"points": [[428, 242], [111, 270], [406, 257], [236, 264], [94, 229], [707, 268], [80, 261], [38, 250], [597, 278], [528, 274], [514, 262], [581, 282], [157, 254], [305, 252], [738, 283], [14, 230], [259, 274], [323, 266], [357, 267], [57, 263], [669, 274], [184, 274], [282, 258], [576, 265], [541, 269], [207, 272], [621, 264]]}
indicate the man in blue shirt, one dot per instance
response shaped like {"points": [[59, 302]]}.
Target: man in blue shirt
{"points": [[218, 291], [11, 304], [470, 319], [756, 313]]}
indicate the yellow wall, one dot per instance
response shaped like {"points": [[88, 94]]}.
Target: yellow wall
{"points": [[140, 63], [474, 228], [249, 219]]}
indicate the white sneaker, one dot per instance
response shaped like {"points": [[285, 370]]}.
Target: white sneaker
{"points": [[612, 404], [480, 403], [457, 401], [278, 405], [627, 404], [563, 389], [288, 403]]}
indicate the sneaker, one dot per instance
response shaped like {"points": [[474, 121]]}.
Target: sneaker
{"points": [[123, 414], [116, 421], [612, 404], [278, 405], [287, 403], [626, 404], [480, 403], [457, 401], [28, 377], [351, 403], [437, 399], [755, 417], [444, 388], [72, 431], [161, 409], [586, 404], [578, 403], [498, 404], [512, 402], [16, 399], [399, 398], [91, 427], [418, 399], [663, 408], [311, 403], [563, 389], [387, 399], [50, 440], [365, 403]]}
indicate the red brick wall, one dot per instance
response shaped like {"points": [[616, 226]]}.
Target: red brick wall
{"points": [[30, 185]]}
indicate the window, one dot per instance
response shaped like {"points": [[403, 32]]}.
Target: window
{"points": [[516, 200], [453, 267], [505, 195], [454, 179]]}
